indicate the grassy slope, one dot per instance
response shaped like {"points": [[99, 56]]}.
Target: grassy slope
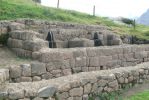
{"points": [[12, 9], [140, 96]]}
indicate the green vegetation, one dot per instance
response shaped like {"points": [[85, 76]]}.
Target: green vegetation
{"points": [[140, 96], [13, 9], [106, 96]]}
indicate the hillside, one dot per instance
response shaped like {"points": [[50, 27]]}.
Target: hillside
{"points": [[14, 9], [144, 18]]}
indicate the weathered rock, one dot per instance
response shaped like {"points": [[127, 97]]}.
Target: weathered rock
{"points": [[26, 79], [15, 71], [94, 62], [26, 70], [102, 82], [81, 42], [85, 97], [38, 68], [23, 35], [76, 91], [63, 96], [15, 43], [121, 80], [16, 94], [113, 84], [48, 91], [87, 88], [36, 78]]}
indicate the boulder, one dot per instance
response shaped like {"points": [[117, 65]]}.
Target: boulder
{"points": [[46, 92]]}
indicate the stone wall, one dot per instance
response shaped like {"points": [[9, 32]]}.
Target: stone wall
{"points": [[60, 62], [24, 42], [63, 32], [79, 86], [53, 63]]}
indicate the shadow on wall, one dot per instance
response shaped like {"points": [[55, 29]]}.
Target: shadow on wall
{"points": [[50, 38], [96, 39]]}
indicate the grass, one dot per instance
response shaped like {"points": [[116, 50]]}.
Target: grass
{"points": [[140, 96], [14, 9]]}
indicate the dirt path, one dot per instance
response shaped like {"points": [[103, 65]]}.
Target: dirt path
{"points": [[7, 58], [136, 89]]}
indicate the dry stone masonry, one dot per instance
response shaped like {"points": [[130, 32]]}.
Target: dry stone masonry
{"points": [[78, 86], [67, 62]]}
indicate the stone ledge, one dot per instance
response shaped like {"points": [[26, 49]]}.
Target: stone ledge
{"points": [[79, 85]]}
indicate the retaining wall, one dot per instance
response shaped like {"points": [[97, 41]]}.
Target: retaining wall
{"points": [[25, 42], [53, 63], [78, 86], [63, 32], [60, 62]]}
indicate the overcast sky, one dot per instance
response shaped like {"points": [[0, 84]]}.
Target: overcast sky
{"points": [[108, 8]]}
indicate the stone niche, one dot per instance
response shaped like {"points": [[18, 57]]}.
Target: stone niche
{"points": [[68, 38]]}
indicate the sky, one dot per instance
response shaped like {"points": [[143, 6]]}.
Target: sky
{"points": [[106, 8]]}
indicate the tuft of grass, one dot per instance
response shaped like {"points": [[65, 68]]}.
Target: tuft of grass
{"points": [[14, 9]]}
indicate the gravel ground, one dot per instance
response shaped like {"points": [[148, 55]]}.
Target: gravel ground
{"points": [[8, 58]]}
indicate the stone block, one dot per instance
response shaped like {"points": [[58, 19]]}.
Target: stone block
{"points": [[38, 68], [15, 43], [67, 71], [26, 70], [46, 92], [103, 60], [85, 97], [62, 96], [49, 55], [87, 88], [142, 54], [80, 62], [93, 62], [102, 82], [76, 92], [81, 42], [16, 94], [35, 45], [23, 35], [113, 84], [76, 70], [66, 64], [26, 79], [5, 73], [36, 78], [47, 76], [15, 71]]}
